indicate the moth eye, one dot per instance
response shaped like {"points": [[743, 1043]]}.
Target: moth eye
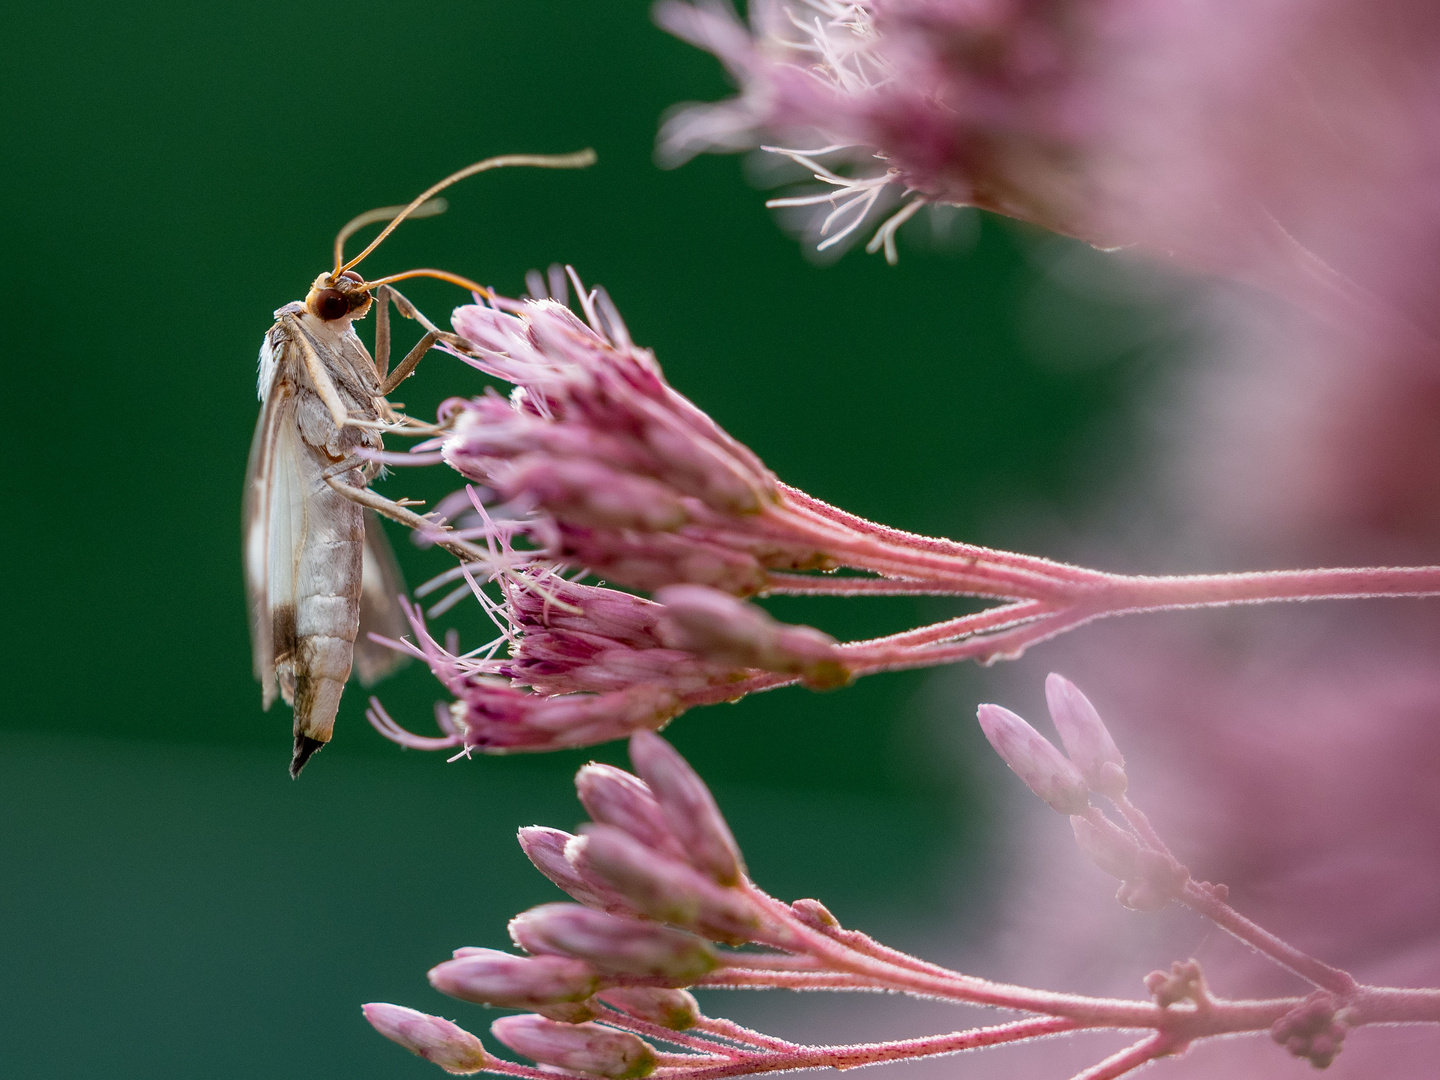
{"points": [[352, 275], [331, 304]]}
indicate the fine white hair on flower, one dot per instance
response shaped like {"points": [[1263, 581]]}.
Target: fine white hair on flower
{"points": [[805, 70], [850, 200]]}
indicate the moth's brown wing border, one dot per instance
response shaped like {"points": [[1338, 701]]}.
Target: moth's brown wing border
{"points": [[277, 410], [381, 585]]}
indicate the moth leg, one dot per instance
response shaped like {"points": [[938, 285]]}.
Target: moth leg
{"points": [[368, 469], [410, 311], [404, 369], [324, 385], [382, 331], [461, 549]]}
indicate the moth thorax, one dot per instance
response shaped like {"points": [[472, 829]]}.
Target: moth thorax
{"points": [[343, 297]]}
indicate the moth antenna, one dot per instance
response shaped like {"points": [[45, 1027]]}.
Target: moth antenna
{"points": [[579, 160], [442, 275], [383, 213]]}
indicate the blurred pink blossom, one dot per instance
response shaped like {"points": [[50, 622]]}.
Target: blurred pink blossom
{"points": [[1292, 144]]}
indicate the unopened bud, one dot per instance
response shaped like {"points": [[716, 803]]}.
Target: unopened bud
{"points": [[491, 977], [545, 848], [615, 797], [689, 808], [1108, 846], [448, 1045], [673, 1009], [614, 945], [1158, 880], [1086, 738], [664, 888], [586, 1048], [715, 625], [590, 493], [1033, 758], [568, 1012], [1183, 982], [1312, 1030], [815, 914]]}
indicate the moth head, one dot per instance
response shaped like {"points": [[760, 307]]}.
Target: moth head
{"points": [[338, 296]]}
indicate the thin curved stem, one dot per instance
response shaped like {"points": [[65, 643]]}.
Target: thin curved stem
{"points": [[1257, 937]]}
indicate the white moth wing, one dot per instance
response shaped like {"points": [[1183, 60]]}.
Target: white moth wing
{"points": [[259, 491], [274, 519], [381, 585]]}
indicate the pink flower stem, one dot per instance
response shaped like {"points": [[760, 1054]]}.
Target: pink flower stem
{"points": [[1392, 1005], [996, 618], [782, 584], [798, 499], [728, 1029], [1138, 821], [870, 657], [953, 986], [616, 1018], [867, 946], [1129, 1059], [848, 1057], [972, 575], [1206, 903], [509, 1068], [753, 979], [1133, 594], [753, 961]]}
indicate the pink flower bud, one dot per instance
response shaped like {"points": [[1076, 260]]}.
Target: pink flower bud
{"points": [[1085, 737], [689, 808], [664, 888], [814, 913], [613, 796], [673, 1009], [491, 977], [1311, 1030], [586, 1048], [1157, 880], [1046, 771], [1109, 847], [545, 848], [568, 1012], [498, 718], [451, 1047], [614, 945], [716, 626], [589, 493]]}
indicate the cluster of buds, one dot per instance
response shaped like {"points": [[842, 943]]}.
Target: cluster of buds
{"points": [[638, 484], [1090, 764], [1312, 1031], [661, 903], [601, 467], [595, 465], [659, 881], [586, 664]]}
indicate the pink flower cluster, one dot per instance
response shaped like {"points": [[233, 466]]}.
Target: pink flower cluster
{"points": [[595, 465], [663, 903], [1291, 143]]}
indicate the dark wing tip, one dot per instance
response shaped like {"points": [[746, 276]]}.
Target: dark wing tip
{"points": [[304, 748]]}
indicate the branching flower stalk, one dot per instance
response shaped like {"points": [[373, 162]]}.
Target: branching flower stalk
{"points": [[664, 904], [595, 466]]}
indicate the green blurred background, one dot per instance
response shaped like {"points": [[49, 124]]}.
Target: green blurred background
{"points": [[171, 904]]}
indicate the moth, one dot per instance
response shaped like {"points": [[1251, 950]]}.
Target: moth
{"points": [[320, 575]]}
